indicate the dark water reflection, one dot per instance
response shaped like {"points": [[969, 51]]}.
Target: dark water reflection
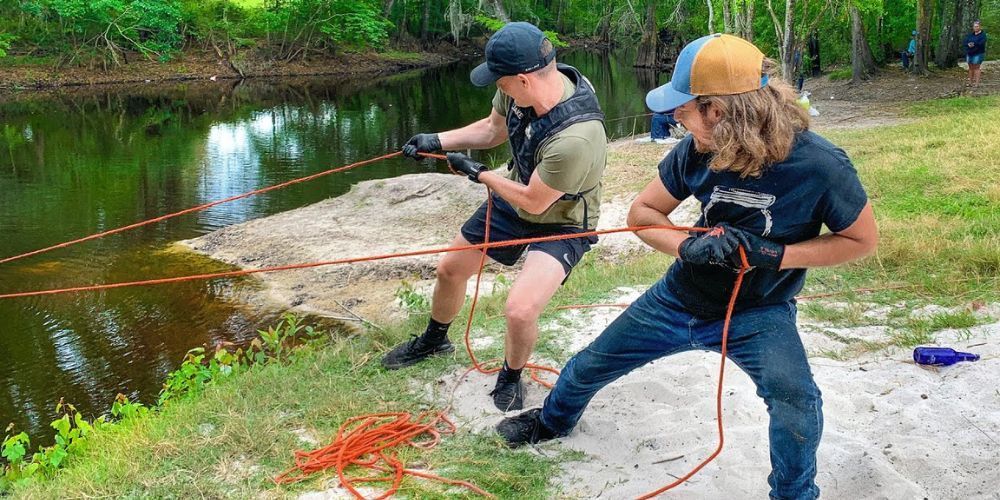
{"points": [[73, 163]]}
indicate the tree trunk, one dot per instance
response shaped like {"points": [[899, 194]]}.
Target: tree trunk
{"points": [[727, 16], [862, 62], [646, 57], [744, 19], [425, 23], [498, 10], [711, 17], [970, 12], [387, 8], [788, 42], [949, 46], [921, 58]]}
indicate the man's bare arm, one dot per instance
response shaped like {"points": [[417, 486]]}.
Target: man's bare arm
{"points": [[857, 241], [486, 133]]}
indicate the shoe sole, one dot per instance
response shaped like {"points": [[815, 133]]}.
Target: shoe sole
{"points": [[396, 366]]}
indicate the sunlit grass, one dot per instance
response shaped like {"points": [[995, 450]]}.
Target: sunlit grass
{"points": [[936, 194]]}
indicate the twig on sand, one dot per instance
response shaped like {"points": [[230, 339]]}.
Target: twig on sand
{"points": [[665, 460], [359, 318], [979, 429]]}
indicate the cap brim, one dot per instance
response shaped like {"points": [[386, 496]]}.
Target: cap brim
{"points": [[481, 76], [665, 98]]}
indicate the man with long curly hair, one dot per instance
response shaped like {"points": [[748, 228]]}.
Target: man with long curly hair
{"points": [[765, 183]]}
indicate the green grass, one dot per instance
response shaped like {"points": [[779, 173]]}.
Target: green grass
{"points": [[934, 188], [841, 74]]}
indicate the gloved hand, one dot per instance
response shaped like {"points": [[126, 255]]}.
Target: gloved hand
{"points": [[761, 252], [463, 164], [711, 247], [421, 143]]}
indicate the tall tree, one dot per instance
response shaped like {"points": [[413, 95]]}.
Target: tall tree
{"points": [[711, 17], [786, 35], [925, 10], [646, 58], [950, 14], [727, 16], [862, 62], [743, 18]]}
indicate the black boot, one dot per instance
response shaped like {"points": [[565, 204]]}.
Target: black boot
{"points": [[508, 394], [526, 428], [415, 350]]}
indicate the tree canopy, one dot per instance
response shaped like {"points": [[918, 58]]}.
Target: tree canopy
{"points": [[112, 31]]}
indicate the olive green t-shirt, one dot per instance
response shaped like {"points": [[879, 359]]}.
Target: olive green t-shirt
{"points": [[571, 161]]}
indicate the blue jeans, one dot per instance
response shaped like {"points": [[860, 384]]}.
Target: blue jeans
{"points": [[763, 341], [660, 125]]}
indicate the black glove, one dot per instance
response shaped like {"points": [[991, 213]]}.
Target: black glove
{"points": [[465, 165], [421, 143], [712, 247], [761, 252]]}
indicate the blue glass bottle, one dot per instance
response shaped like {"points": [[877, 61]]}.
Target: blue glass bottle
{"points": [[941, 356]]}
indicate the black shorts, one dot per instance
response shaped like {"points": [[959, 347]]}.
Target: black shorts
{"points": [[506, 225]]}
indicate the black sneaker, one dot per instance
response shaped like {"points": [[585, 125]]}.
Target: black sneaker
{"points": [[414, 351], [508, 396], [526, 428]]}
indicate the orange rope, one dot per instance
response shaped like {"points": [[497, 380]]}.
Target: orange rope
{"points": [[722, 372], [289, 267], [363, 441]]}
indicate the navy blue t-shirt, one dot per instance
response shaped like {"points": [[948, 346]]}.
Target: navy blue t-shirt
{"points": [[978, 44], [788, 203]]}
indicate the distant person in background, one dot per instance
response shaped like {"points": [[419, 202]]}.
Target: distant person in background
{"points": [[975, 52], [814, 65], [661, 126], [911, 50]]}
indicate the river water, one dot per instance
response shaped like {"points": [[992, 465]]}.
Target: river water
{"points": [[77, 162]]}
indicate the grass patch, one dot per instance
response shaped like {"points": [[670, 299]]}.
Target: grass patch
{"points": [[396, 55], [840, 74], [936, 200]]}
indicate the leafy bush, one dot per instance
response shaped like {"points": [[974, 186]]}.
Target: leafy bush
{"points": [[491, 24], [278, 343]]}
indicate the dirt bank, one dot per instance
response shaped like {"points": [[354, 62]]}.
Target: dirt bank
{"points": [[201, 65]]}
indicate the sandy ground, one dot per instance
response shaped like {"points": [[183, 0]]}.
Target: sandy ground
{"points": [[893, 429]]}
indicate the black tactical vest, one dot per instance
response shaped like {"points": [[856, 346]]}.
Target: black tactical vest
{"points": [[526, 132]]}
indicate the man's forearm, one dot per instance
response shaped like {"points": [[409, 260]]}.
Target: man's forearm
{"points": [[514, 192], [481, 134], [663, 240], [829, 249]]}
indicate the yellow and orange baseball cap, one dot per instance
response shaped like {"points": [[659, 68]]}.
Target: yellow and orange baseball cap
{"points": [[711, 65]]}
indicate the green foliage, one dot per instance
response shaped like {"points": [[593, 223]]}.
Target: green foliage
{"points": [[199, 369], [6, 40], [840, 74], [412, 300], [491, 24], [280, 343]]}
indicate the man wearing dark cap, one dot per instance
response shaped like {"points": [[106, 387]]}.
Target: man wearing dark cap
{"points": [[766, 183], [550, 116]]}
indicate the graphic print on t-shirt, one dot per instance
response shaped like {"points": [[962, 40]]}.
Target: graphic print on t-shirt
{"points": [[743, 198]]}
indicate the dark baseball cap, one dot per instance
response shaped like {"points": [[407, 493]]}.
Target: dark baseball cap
{"points": [[514, 49]]}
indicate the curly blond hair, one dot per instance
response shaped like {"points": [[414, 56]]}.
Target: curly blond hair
{"points": [[757, 128]]}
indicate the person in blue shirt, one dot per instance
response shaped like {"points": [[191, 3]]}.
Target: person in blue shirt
{"points": [[766, 183], [911, 50], [975, 52]]}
